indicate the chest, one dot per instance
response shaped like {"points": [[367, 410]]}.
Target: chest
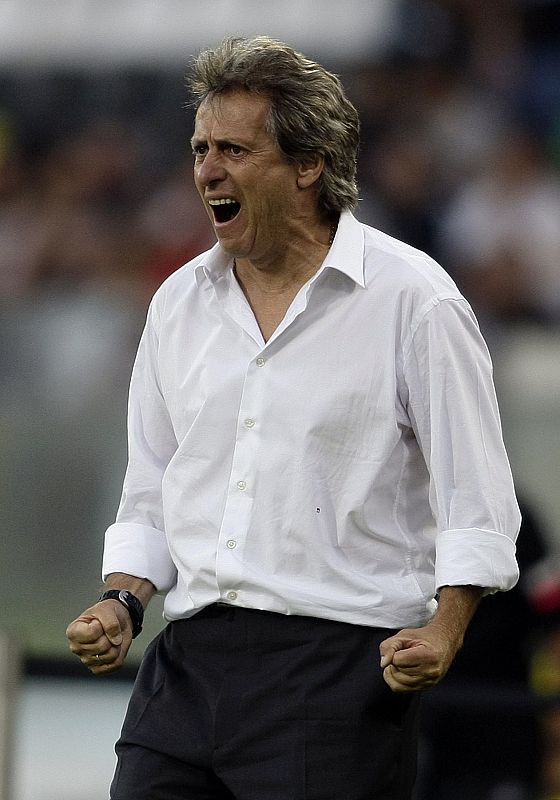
{"points": [[270, 311], [311, 385]]}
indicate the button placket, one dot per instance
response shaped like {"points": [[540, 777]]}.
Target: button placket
{"points": [[237, 512]]}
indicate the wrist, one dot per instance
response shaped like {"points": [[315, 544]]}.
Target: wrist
{"points": [[142, 588], [132, 605], [456, 607]]}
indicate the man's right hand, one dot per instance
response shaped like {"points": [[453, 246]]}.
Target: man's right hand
{"points": [[101, 636]]}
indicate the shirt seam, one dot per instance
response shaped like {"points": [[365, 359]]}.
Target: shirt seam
{"points": [[408, 541], [426, 310]]}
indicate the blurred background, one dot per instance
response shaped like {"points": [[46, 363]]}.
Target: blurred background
{"points": [[460, 156]]}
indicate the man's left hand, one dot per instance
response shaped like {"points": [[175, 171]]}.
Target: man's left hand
{"points": [[416, 658]]}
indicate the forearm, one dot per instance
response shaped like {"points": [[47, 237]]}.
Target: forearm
{"points": [[142, 588], [456, 608]]}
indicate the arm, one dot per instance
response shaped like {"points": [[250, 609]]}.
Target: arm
{"points": [[105, 629], [451, 405], [136, 543], [452, 408], [418, 658]]}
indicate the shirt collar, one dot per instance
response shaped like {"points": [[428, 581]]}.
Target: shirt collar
{"points": [[347, 251], [212, 264], [346, 254]]}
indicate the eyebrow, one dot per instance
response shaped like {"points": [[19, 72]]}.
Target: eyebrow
{"points": [[197, 139]]}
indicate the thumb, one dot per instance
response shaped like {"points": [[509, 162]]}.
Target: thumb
{"points": [[387, 650], [115, 638], [113, 627]]}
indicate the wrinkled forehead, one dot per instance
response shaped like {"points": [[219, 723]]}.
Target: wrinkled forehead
{"points": [[235, 111]]}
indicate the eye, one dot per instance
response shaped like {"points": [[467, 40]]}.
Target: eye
{"points": [[235, 149], [200, 150]]}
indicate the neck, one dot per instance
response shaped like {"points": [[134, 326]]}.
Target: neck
{"points": [[291, 265]]}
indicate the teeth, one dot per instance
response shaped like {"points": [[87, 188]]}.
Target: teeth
{"points": [[221, 202]]}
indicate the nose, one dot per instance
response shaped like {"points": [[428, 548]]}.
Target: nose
{"points": [[210, 170]]}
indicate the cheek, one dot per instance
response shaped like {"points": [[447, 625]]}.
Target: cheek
{"points": [[200, 191], [196, 180]]}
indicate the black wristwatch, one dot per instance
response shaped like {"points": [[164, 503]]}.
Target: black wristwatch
{"points": [[132, 605]]}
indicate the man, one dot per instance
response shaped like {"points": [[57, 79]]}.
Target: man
{"points": [[315, 452]]}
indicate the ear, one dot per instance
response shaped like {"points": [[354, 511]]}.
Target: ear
{"points": [[309, 171]]}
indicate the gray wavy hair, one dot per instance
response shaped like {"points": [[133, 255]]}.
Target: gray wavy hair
{"points": [[309, 112]]}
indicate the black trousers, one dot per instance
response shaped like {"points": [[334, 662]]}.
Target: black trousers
{"points": [[236, 704]]}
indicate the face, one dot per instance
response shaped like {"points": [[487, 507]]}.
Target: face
{"points": [[249, 189]]}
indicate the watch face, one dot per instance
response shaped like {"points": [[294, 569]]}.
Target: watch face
{"points": [[135, 609], [127, 597]]}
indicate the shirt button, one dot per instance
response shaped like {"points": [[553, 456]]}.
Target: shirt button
{"points": [[241, 485], [249, 423], [260, 362], [231, 596], [231, 543]]}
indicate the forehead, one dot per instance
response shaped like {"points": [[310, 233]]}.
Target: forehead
{"points": [[235, 114]]}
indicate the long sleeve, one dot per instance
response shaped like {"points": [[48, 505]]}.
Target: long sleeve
{"points": [[136, 543], [455, 416]]}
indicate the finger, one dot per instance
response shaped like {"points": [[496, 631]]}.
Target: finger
{"points": [[101, 637], [402, 682], [101, 646], [115, 619], [92, 660], [94, 656], [84, 630], [412, 658], [104, 663], [101, 659], [106, 669], [427, 670], [105, 619], [387, 650], [394, 644], [412, 679]]}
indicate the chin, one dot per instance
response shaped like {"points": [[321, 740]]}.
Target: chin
{"points": [[234, 247], [228, 246]]}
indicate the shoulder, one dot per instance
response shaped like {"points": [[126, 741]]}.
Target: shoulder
{"points": [[396, 265], [183, 284], [184, 277], [409, 290]]}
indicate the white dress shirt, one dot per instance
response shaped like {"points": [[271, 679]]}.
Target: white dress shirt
{"points": [[346, 468]]}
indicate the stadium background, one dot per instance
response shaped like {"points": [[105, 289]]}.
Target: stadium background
{"points": [[460, 156]]}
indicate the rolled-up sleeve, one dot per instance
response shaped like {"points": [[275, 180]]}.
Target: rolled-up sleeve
{"points": [[454, 413], [136, 543]]}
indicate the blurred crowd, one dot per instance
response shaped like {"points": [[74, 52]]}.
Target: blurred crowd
{"points": [[460, 157]]}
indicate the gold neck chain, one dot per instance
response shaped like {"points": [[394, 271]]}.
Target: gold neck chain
{"points": [[332, 234]]}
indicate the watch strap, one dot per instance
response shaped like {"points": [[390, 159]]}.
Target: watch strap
{"points": [[132, 605]]}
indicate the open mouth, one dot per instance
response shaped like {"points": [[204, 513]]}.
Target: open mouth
{"points": [[224, 209]]}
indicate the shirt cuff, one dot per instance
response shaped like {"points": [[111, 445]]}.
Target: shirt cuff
{"points": [[477, 557], [140, 551]]}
